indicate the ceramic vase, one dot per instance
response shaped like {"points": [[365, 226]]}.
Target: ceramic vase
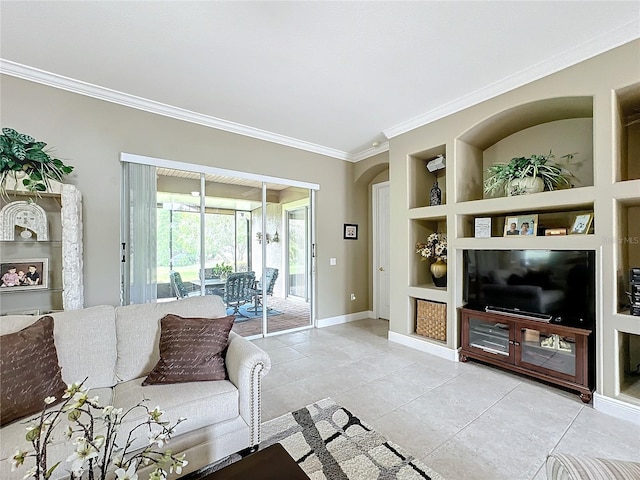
{"points": [[439, 273]]}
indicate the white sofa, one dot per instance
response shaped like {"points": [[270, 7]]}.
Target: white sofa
{"points": [[116, 347]]}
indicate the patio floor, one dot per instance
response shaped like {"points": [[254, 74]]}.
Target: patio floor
{"points": [[295, 313]]}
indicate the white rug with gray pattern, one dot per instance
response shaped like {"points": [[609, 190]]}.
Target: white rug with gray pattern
{"points": [[330, 443]]}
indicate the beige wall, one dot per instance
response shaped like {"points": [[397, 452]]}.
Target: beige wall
{"points": [[90, 134]]}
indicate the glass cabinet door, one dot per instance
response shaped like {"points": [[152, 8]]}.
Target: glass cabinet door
{"points": [[489, 336], [548, 351]]}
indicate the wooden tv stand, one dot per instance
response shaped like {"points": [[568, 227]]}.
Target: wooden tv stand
{"points": [[556, 354]]}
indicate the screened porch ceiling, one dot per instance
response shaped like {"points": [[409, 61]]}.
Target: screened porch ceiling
{"points": [[243, 193]]}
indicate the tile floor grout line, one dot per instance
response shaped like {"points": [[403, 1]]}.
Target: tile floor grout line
{"points": [[476, 418]]}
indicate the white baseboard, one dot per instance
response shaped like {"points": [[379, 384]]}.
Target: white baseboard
{"points": [[616, 408], [428, 347], [350, 317]]}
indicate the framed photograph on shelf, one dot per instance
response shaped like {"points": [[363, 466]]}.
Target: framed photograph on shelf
{"points": [[521, 226], [24, 274], [581, 224], [350, 231]]}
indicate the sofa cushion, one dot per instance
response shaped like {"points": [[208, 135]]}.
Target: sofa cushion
{"points": [[138, 331], [29, 371], [86, 343], [13, 437], [191, 350], [81, 351], [205, 404], [571, 467]]}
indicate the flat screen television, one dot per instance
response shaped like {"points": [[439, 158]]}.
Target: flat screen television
{"points": [[554, 284]]}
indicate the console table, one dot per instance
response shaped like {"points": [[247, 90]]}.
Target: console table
{"points": [[557, 354]]}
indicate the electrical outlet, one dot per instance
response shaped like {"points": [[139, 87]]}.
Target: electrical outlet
{"points": [[353, 297]]}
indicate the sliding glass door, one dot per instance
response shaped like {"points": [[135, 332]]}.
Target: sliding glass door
{"points": [[206, 231]]}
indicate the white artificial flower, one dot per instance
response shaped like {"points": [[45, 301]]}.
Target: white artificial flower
{"points": [[129, 474], [84, 452], [159, 438], [49, 400]]}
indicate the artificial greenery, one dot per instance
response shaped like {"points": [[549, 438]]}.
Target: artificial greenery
{"points": [[220, 270], [500, 175], [22, 153]]}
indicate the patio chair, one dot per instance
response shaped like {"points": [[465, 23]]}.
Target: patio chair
{"points": [[180, 288], [272, 276], [238, 290]]}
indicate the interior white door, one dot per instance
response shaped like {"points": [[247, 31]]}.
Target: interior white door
{"points": [[382, 293]]}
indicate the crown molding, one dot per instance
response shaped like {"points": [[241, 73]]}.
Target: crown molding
{"points": [[32, 74], [600, 44], [369, 152]]}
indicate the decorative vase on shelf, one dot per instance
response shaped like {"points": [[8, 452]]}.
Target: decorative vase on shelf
{"points": [[435, 197], [439, 273]]}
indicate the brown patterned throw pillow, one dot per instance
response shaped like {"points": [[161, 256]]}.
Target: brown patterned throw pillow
{"points": [[29, 371], [191, 350]]}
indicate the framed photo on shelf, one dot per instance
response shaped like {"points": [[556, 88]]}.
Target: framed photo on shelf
{"points": [[24, 274], [522, 226], [581, 224], [350, 231]]}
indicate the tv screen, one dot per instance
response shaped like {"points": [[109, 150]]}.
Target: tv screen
{"points": [[548, 282]]}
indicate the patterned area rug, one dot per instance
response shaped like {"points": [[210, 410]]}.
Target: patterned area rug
{"points": [[247, 312], [330, 443]]}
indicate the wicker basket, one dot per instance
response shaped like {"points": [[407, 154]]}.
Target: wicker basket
{"points": [[431, 320]]}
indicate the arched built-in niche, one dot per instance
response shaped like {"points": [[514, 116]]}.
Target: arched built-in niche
{"points": [[570, 114]]}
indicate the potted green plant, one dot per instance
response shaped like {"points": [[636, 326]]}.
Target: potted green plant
{"points": [[22, 157], [523, 175], [221, 271]]}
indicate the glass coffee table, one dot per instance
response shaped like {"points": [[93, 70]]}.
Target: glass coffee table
{"points": [[271, 463]]}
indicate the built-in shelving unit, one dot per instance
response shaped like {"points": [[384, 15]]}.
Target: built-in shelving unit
{"points": [[62, 251], [595, 118]]}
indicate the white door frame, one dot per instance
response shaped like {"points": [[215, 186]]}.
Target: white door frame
{"points": [[374, 214]]}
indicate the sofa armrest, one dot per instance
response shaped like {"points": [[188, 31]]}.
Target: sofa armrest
{"points": [[246, 365], [573, 467]]}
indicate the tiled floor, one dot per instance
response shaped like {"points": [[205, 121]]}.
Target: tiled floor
{"points": [[465, 420]]}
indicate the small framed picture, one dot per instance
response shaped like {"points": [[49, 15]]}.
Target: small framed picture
{"points": [[581, 224], [24, 274], [350, 231], [521, 226]]}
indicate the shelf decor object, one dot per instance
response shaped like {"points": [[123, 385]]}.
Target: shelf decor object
{"points": [[435, 197], [522, 226], [24, 274], [581, 224], [26, 215], [483, 227], [25, 160], [525, 175], [435, 248], [431, 320]]}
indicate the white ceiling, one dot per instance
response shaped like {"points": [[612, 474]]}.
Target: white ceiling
{"points": [[331, 77]]}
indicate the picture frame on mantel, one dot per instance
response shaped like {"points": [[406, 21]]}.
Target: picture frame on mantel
{"points": [[24, 274], [350, 231]]}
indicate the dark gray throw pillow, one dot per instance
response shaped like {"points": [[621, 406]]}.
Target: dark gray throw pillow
{"points": [[191, 350], [29, 371]]}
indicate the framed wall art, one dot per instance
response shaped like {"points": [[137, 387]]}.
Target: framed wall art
{"points": [[350, 231], [24, 274]]}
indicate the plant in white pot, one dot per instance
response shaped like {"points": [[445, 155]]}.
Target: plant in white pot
{"points": [[23, 158], [523, 175]]}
